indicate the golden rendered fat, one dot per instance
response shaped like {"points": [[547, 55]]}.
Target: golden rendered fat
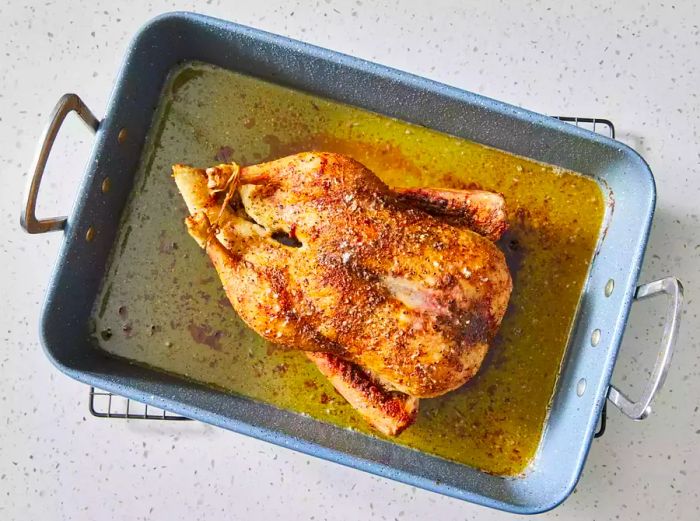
{"points": [[162, 305]]}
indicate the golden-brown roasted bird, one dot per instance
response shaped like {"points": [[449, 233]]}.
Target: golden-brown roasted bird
{"points": [[394, 293]]}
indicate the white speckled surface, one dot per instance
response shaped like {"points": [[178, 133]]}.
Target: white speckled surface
{"points": [[635, 63]]}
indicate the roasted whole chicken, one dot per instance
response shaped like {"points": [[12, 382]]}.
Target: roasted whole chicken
{"points": [[394, 293]]}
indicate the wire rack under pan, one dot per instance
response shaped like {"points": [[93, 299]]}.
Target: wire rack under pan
{"points": [[104, 404]]}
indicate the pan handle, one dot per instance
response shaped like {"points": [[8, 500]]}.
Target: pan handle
{"points": [[67, 103], [674, 289]]}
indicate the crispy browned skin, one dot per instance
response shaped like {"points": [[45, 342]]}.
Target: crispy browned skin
{"points": [[408, 296], [390, 412], [401, 301]]}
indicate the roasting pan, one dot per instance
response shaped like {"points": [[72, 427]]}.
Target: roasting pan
{"points": [[584, 383]]}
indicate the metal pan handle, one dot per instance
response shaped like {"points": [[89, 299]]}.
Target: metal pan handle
{"points": [[67, 103], [674, 289]]}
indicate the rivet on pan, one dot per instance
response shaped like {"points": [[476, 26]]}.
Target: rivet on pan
{"points": [[121, 137], [90, 234], [106, 185], [609, 287], [595, 337], [581, 387]]}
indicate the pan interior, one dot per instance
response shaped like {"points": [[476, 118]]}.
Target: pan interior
{"points": [[161, 303]]}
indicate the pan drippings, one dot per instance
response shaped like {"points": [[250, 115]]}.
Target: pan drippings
{"points": [[161, 304]]}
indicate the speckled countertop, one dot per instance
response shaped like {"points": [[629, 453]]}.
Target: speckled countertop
{"points": [[635, 63]]}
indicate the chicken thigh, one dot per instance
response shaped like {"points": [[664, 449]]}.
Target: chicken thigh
{"points": [[394, 294]]}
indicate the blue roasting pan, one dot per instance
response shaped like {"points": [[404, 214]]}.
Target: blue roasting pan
{"points": [[583, 386]]}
